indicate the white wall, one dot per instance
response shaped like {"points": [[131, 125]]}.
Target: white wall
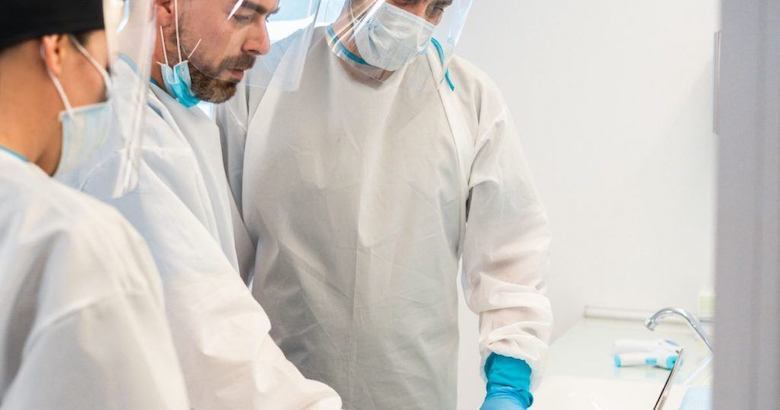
{"points": [[614, 102]]}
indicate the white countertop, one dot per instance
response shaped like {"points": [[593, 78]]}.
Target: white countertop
{"points": [[581, 368]]}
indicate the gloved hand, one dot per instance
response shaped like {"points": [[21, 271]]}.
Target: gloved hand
{"points": [[503, 401], [508, 384]]}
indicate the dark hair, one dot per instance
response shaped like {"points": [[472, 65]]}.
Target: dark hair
{"points": [[22, 20], [81, 37]]}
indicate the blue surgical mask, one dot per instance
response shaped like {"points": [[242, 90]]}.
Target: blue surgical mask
{"points": [[177, 79], [178, 83]]}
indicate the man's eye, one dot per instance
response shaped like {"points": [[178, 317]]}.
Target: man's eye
{"points": [[436, 11], [242, 19], [440, 6]]}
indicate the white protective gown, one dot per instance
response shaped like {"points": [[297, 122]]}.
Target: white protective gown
{"points": [[357, 197], [183, 208], [82, 320]]}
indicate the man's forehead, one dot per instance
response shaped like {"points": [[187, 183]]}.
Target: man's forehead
{"points": [[427, 2], [403, 2], [259, 6]]}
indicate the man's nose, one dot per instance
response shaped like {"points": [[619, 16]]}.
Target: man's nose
{"points": [[257, 42]]}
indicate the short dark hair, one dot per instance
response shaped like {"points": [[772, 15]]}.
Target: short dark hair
{"points": [[22, 20], [81, 37]]}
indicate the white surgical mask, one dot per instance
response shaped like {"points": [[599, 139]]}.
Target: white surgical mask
{"points": [[84, 129], [391, 37]]}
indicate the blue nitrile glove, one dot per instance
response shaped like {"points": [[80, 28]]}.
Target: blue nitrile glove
{"points": [[508, 384]]}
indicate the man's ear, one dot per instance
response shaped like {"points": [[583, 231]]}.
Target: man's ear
{"points": [[166, 12], [54, 47]]}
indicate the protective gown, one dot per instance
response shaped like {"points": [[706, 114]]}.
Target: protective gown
{"points": [[362, 197], [183, 209], [82, 321]]}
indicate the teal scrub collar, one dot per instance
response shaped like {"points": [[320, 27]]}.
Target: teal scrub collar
{"points": [[343, 50], [14, 154]]}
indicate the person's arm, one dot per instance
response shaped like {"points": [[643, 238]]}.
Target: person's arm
{"points": [[505, 253], [221, 333], [229, 359]]}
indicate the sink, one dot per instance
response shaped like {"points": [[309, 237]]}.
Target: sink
{"points": [[581, 374], [569, 393]]}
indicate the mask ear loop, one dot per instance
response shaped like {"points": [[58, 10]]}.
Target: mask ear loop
{"points": [[98, 67], [353, 21], [364, 15], [193, 49], [178, 38], [164, 50]]}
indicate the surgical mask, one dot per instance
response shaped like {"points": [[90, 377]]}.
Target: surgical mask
{"points": [[177, 79], [84, 129], [391, 37], [178, 83]]}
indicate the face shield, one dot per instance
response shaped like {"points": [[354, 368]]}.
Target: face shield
{"points": [[130, 37], [213, 45], [378, 38]]}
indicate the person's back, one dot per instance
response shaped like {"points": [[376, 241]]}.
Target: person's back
{"points": [[82, 318], [81, 308]]}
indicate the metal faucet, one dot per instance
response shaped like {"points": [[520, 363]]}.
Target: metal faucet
{"points": [[652, 321]]}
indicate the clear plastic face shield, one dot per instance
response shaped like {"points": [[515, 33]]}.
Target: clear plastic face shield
{"points": [[130, 31], [378, 38], [213, 45]]}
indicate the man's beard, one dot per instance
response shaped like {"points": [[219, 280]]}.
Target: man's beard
{"points": [[210, 88]]}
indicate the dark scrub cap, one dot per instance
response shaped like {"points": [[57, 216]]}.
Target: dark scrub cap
{"points": [[22, 20]]}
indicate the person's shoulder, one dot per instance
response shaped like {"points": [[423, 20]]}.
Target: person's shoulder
{"points": [[476, 91], [39, 195], [472, 79], [162, 153], [59, 211], [73, 249], [80, 213], [104, 243], [160, 132]]}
